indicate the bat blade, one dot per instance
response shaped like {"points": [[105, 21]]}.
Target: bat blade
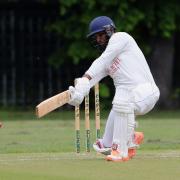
{"points": [[52, 103]]}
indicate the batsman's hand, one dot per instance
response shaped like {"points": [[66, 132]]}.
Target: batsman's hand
{"points": [[82, 85], [76, 97]]}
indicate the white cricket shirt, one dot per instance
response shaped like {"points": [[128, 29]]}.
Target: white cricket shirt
{"points": [[123, 61]]}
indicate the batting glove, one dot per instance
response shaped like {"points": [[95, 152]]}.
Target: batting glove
{"points": [[76, 97], [83, 85]]}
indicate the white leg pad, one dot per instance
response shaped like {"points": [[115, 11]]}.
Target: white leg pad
{"points": [[108, 133], [120, 132], [124, 121], [131, 127]]}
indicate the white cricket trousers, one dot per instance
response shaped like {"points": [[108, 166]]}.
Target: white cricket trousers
{"points": [[143, 99]]}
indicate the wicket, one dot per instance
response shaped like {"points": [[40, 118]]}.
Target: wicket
{"points": [[87, 120]]}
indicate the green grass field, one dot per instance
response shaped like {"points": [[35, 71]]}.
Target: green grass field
{"points": [[44, 149]]}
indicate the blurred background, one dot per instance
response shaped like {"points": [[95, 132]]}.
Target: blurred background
{"points": [[43, 46]]}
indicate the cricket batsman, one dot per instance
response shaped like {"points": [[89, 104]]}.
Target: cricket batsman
{"points": [[136, 92]]}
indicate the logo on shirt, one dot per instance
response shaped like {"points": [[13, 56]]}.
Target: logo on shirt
{"points": [[114, 66]]}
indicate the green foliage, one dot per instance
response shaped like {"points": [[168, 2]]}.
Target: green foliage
{"points": [[144, 20], [160, 17], [166, 16], [77, 52], [104, 90], [156, 17], [176, 94]]}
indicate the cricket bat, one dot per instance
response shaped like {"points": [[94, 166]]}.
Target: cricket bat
{"points": [[52, 103]]}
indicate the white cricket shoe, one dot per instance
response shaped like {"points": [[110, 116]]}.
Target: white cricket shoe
{"points": [[116, 155], [99, 147], [137, 140]]}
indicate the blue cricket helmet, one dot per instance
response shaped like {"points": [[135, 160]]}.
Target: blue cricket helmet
{"points": [[99, 24]]}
